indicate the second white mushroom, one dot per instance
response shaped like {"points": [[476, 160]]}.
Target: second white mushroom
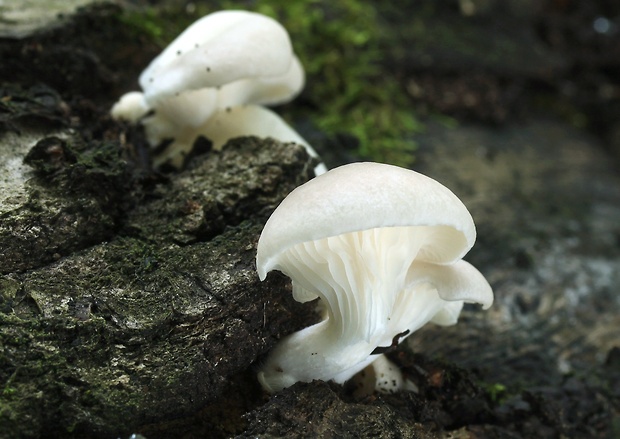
{"points": [[216, 74]]}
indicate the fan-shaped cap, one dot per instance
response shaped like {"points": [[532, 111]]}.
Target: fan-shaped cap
{"points": [[362, 196], [219, 49]]}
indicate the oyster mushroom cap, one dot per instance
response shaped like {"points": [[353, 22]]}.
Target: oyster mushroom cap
{"points": [[363, 196], [220, 49]]}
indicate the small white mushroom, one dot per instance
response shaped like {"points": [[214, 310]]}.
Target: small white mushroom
{"points": [[224, 60], [381, 247], [381, 376]]}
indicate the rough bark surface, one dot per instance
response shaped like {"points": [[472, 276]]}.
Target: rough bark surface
{"points": [[153, 323]]}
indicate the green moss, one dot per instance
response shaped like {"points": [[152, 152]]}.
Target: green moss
{"points": [[146, 23], [339, 44], [496, 391]]}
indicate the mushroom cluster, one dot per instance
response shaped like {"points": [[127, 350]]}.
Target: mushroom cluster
{"points": [[381, 247], [212, 81]]}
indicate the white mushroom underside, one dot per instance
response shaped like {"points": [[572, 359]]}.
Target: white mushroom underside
{"points": [[360, 276], [374, 285], [224, 125]]}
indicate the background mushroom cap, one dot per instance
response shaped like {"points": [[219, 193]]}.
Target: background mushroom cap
{"points": [[362, 196], [219, 49]]}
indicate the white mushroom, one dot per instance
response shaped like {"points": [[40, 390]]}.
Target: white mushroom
{"points": [[381, 376], [224, 60], [381, 247]]}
